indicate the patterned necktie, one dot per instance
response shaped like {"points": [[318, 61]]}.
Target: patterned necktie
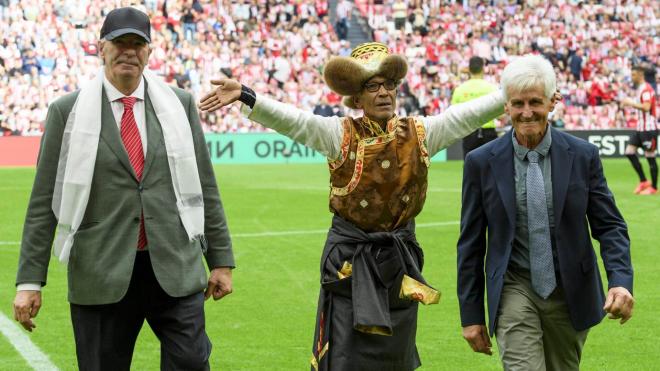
{"points": [[540, 248], [130, 135]]}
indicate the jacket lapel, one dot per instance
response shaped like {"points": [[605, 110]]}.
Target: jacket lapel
{"points": [[154, 133], [501, 164], [561, 156], [110, 134]]}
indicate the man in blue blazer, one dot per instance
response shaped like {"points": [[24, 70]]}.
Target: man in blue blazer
{"points": [[529, 201]]}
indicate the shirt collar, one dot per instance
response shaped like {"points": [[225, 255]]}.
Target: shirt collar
{"points": [[114, 93], [543, 148]]}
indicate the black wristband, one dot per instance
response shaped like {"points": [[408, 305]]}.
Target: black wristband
{"points": [[247, 96]]}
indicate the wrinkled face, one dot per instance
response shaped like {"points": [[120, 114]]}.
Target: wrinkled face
{"points": [[124, 58], [529, 111], [378, 105]]}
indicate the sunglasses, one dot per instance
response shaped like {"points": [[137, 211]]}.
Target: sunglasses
{"points": [[375, 86]]}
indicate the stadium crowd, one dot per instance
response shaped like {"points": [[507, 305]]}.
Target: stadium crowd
{"points": [[592, 45], [278, 47]]}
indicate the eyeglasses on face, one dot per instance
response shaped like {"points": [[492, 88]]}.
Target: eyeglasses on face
{"points": [[375, 86]]}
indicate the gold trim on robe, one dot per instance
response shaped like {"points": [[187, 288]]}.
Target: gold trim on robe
{"points": [[414, 290], [345, 271]]}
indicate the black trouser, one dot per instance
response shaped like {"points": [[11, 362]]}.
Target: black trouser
{"points": [[477, 139], [105, 334]]}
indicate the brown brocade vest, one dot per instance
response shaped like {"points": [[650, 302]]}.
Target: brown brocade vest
{"points": [[379, 183]]}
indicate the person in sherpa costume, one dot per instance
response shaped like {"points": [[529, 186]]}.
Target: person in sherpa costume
{"points": [[371, 265], [125, 176]]}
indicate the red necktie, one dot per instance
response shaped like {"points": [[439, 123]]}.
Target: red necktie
{"points": [[130, 135]]}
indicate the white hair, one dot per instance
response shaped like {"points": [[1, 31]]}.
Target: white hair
{"points": [[528, 72]]}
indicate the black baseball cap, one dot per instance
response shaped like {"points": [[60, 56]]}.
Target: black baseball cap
{"points": [[122, 21]]}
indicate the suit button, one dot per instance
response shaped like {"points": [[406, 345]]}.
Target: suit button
{"points": [[140, 187], [136, 219]]}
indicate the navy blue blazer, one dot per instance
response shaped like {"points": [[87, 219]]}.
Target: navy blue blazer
{"points": [[582, 201]]}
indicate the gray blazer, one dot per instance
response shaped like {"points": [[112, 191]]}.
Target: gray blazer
{"points": [[101, 260]]}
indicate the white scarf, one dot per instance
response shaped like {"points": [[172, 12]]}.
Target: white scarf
{"points": [[75, 168]]}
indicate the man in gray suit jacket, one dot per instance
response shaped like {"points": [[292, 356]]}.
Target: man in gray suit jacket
{"points": [[134, 254]]}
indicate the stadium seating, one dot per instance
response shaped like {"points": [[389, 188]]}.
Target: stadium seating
{"points": [[279, 47]]}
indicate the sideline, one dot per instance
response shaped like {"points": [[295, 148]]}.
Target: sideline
{"points": [[287, 233], [320, 231], [34, 357]]}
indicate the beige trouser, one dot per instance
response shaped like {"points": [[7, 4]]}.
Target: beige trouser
{"points": [[535, 334]]}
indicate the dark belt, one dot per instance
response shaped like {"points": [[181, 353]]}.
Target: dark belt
{"points": [[369, 289]]}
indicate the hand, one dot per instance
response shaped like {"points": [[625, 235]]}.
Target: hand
{"points": [[477, 337], [219, 283], [227, 92], [619, 304], [26, 306]]}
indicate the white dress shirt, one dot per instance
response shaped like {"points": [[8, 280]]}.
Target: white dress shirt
{"points": [[114, 97]]}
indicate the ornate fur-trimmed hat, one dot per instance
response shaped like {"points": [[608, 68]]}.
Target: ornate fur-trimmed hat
{"points": [[347, 75]]}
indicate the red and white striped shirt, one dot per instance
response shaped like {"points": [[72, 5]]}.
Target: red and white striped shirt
{"points": [[646, 121]]}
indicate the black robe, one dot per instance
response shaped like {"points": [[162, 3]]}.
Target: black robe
{"points": [[362, 324]]}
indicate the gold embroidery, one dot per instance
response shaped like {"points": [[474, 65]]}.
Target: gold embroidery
{"points": [[359, 162], [345, 145], [421, 138], [324, 350], [371, 127], [365, 50], [414, 290], [375, 330], [357, 173], [345, 271], [314, 361]]}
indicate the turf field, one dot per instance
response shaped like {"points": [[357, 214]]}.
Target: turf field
{"points": [[267, 323]]}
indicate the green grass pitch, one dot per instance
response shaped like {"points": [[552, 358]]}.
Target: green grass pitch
{"points": [[267, 323]]}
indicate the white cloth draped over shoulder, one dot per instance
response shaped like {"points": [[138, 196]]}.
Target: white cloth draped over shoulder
{"points": [[77, 160]]}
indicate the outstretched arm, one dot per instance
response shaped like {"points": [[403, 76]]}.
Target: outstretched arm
{"points": [[323, 134], [460, 120]]}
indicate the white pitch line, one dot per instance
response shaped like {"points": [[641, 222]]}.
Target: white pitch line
{"points": [[327, 189], [290, 233], [320, 231], [30, 352]]}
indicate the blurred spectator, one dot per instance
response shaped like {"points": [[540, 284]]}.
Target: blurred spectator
{"points": [[47, 46], [323, 108], [399, 13], [575, 64], [343, 12], [591, 44]]}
